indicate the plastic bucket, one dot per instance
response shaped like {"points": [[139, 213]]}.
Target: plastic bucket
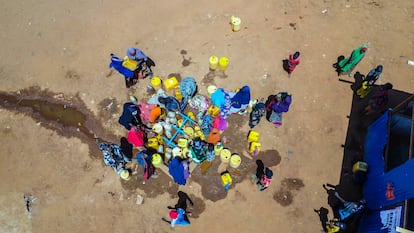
{"points": [[235, 160], [223, 63], [213, 62], [156, 160], [235, 24], [189, 132], [182, 143], [157, 128], [125, 175], [218, 148], [211, 89], [177, 151], [225, 155], [156, 83]]}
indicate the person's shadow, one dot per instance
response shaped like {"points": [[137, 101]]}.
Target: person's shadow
{"points": [[333, 199], [285, 65], [359, 78], [336, 65], [323, 216]]}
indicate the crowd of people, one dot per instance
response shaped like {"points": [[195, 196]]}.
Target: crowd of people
{"points": [[178, 126]]}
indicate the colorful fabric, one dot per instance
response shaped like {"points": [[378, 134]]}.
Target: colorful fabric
{"points": [[145, 111], [136, 137], [116, 63], [188, 87], [129, 115], [242, 97], [258, 111], [113, 156], [199, 103], [176, 170], [220, 123]]}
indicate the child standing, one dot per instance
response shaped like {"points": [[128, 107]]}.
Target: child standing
{"points": [[294, 60]]}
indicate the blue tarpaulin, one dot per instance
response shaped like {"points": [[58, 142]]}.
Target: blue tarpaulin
{"points": [[383, 189]]}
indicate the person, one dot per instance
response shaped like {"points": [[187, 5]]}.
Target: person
{"points": [[266, 179], [178, 213], [294, 60], [276, 105], [144, 62], [373, 75], [379, 101], [136, 54], [263, 176], [131, 77], [178, 217], [346, 65], [144, 158]]}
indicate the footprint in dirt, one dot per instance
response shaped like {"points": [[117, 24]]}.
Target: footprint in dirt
{"points": [[186, 61]]}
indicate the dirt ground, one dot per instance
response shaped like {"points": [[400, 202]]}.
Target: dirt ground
{"points": [[64, 47]]}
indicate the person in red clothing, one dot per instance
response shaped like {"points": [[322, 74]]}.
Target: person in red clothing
{"points": [[379, 101], [293, 61]]}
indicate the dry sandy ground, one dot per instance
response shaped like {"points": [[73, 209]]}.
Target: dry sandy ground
{"points": [[64, 46]]}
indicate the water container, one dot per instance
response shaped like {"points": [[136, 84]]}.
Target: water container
{"points": [[235, 160], [235, 24], [153, 143], [213, 62], [129, 64], [211, 89], [223, 63], [225, 155], [253, 136], [171, 83], [157, 128], [254, 148], [156, 83], [182, 143], [360, 166], [178, 94], [156, 160], [176, 152], [189, 132], [218, 148], [125, 175]]}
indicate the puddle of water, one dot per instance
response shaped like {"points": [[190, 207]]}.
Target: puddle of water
{"points": [[67, 118]]}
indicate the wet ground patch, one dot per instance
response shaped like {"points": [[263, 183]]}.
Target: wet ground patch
{"points": [[107, 108], [68, 116], [289, 186], [210, 182]]}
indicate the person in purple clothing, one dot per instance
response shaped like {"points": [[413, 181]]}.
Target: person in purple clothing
{"points": [[136, 54], [276, 105]]}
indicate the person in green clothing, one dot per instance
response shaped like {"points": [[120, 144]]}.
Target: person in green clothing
{"points": [[346, 65]]}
